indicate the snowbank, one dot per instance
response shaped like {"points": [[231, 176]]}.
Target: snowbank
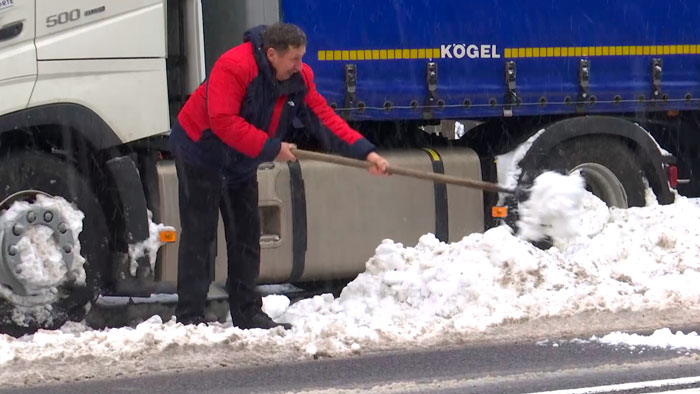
{"points": [[636, 259], [662, 338], [622, 261]]}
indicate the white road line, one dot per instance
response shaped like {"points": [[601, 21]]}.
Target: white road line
{"points": [[668, 383], [662, 386]]}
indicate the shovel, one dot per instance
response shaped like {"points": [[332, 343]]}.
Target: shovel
{"points": [[550, 208], [409, 172]]}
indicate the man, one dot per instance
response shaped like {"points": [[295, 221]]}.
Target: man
{"points": [[258, 94]]}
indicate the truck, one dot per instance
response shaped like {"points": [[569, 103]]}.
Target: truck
{"points": [[493, 90]]}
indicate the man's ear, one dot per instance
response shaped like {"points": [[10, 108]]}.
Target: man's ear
{"points": [[270, 53]]}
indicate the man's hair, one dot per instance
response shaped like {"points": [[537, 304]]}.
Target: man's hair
{"points": [[282, 36]]}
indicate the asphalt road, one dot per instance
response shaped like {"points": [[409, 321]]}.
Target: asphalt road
{"points": [[485, 369]]}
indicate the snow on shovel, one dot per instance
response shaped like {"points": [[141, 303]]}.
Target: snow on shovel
{"points": [[551, 207]]}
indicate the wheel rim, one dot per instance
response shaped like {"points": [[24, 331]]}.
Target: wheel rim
{"points": [[21, 288], [604, 184], [24, 195]]}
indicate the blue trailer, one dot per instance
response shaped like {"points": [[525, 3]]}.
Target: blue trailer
{"points": [[622, 76], [476, 59]]}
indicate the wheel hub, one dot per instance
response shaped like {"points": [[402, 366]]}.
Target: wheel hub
{"points": [[603, 183], [15, 235]]}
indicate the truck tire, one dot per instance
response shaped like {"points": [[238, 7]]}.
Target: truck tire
{"points": [[609, 166], [21, 176]]}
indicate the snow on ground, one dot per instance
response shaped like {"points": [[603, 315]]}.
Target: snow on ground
{"points": [[625, 269], [695, 201], [662, 338]]}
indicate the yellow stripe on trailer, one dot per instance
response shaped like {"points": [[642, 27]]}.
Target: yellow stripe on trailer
{"points": [[433, 154], [510, 52]]}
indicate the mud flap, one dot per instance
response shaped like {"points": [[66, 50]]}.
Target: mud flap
{"points": [[131, 197]]}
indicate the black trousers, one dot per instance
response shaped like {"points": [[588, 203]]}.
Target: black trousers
{"points": [[203, 193]]}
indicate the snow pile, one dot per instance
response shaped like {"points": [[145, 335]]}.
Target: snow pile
{"points": [[554, 207], [76, 341], [149, 247], [275, 305], [636, 259], [640, 259], [662, 338]]}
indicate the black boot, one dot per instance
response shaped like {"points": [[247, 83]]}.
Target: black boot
{"points": [[254, 317]]}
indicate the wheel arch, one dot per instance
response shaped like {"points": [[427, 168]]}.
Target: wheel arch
{"points": [[74, 116], [641, 143], [78, 135]]}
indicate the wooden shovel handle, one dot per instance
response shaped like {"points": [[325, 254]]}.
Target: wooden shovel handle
{"points": [[395, 170]]}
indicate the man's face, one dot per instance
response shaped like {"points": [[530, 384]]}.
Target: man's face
{"points": [[286, 63]]}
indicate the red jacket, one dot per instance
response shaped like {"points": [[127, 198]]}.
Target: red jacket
{"points": [[249, 111]]}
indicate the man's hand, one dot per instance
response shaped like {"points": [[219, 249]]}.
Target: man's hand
{"points": [[378, 164], [286, 152]]}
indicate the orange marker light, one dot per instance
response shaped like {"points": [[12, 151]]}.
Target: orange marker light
{"points": [[499, 212], [168, 236]]}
